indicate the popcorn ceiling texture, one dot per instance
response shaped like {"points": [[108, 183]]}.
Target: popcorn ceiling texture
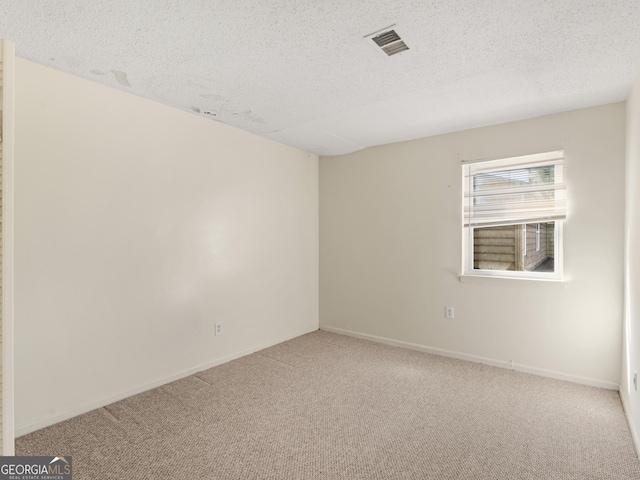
{"points": [[301, 71], [325, 406]]}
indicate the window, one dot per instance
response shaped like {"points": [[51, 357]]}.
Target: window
{"points": [[513, 214]]}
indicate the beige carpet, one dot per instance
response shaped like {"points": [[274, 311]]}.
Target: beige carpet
{"points": [[326, 406]]}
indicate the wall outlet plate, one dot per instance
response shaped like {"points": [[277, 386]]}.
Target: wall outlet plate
{"points": [[448, 312], [218, 329]]}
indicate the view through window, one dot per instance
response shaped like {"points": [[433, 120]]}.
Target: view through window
{"points": [[512, 215], [528, 247]]}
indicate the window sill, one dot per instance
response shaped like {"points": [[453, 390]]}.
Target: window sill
{"points": [[511, 281]]}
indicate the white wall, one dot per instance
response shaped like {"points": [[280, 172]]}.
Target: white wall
{"points": [[139, 226], [631, 343], [390, 250]]}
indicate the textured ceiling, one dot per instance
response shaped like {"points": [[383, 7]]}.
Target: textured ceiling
{"points": [[302, 72]]}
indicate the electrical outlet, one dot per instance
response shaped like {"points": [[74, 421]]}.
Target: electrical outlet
{"points": [[635, 381], [218, 329], [448, 312]]}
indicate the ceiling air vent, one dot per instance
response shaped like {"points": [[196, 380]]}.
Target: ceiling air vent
{"points": [[389, 41]]}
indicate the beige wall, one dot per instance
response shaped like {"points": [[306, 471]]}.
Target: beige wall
{"points": [[390, 250], [139, 226], [631, 342], [7, 56]]}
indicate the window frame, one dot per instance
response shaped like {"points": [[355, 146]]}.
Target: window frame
{"points": [[468, 269]]}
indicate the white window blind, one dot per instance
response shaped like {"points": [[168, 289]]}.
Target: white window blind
{"points": [[526, 189]]}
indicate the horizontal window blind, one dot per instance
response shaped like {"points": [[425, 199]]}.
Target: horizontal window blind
{"points": [[526, 189]]}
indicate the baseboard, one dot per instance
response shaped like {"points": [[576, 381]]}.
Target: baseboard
{"points": [[476, 359], [632, 429], [74, 412]]}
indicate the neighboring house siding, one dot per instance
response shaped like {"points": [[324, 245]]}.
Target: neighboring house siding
{"points": [[534, 258], [495, 248], [501, 248]]}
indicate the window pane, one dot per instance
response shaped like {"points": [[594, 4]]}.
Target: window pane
{"points": [[512, 179], [524, 247]]}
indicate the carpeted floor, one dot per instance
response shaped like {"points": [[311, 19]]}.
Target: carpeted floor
{"points": [[326, 406]]}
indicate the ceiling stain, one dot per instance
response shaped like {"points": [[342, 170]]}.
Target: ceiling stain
{"points": [[121, 77], [248, 115], [98, 72], [195, 109]]}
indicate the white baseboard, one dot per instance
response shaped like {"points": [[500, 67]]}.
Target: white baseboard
{"points": [[74, 412], [634, 433], [477, 359]]}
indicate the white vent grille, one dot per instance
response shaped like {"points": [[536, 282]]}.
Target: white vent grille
{"points": [[395, 48], [389, 41], [386, 38]]}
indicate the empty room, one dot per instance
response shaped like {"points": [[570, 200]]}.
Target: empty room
{"points": [[320, 240]]}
